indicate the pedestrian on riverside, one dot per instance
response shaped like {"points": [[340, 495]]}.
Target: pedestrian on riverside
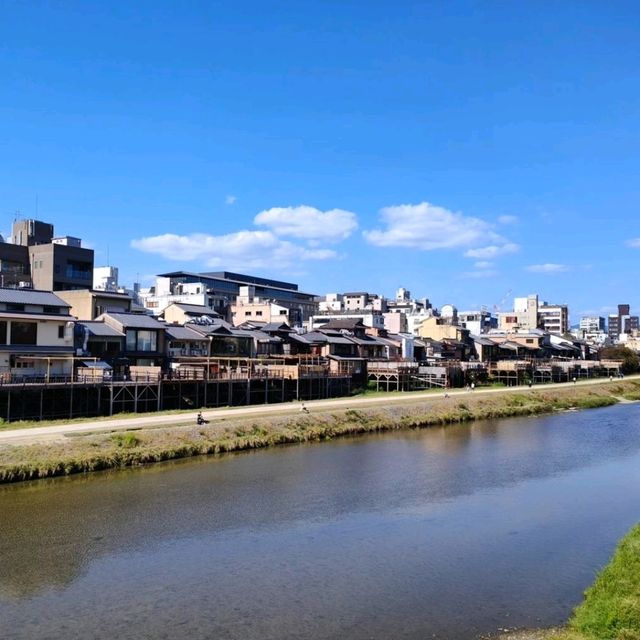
{"points": [[303, 409]]}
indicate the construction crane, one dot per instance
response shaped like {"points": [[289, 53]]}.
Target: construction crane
{"points": [[498, 306]]}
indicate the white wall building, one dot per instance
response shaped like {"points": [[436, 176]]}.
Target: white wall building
{"points": [[105, 278]]}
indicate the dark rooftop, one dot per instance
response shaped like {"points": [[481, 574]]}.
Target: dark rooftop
{"points": [[31, 296]]}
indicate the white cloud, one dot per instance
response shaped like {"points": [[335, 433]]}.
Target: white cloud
{"points": [[240, 250], [426, 226], [230, 200], [634, 242], [309, 223], [483, 264], [507, 219], [547, 267], [492, 251]]}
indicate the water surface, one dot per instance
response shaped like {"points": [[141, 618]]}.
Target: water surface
{"points": [[445, 533]]}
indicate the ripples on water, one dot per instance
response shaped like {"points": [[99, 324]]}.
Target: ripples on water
{"points": [[444, 532]]}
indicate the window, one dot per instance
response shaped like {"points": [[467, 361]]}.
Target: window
{"points": [[11, 306], [3, 332], [146, 340], [49, 309], [529, 340], [247, 313], [283, 312], [61, 331], [258, 313], [24, 333], [141, 340], [131, 340]]}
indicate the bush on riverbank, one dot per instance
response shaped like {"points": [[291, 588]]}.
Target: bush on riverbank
{"points": [[611, 608], [94, 452]]}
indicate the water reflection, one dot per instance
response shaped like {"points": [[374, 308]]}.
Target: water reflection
{"points": [[418, 518]]}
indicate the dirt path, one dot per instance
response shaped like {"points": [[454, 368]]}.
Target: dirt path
{"points": [[34, 435]]}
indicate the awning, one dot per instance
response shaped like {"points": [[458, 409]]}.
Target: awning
{"points": [[98, 364]]}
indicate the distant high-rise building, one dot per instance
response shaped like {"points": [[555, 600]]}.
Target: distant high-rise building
{"points": [[553, 318], [592, 323], [105, 278], [622, 322]]}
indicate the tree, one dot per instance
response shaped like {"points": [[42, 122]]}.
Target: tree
{"points": [[630, 360]]}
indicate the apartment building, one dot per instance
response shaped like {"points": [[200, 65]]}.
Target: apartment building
{"points": [[35, 258], [622, 323], [553, 318]]}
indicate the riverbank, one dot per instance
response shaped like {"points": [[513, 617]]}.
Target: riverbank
{"points": [[86, 451], [611, 607]]}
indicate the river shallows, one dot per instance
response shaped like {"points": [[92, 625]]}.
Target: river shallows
{"points": [[444, 533]]}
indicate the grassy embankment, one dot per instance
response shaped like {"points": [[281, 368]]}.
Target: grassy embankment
{"points": [[611, 606], [93, 452]]}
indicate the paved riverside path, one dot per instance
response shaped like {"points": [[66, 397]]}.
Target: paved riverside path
{"points": [[57, 432]]}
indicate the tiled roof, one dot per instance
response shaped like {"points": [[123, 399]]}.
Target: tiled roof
{"points": [[347, 323], [31, 296], [100, 329], [276, 326], [313, 337], [135, 321], [195, 309], [183, 333]]}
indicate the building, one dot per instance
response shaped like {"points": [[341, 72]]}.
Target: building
{"points": [[441, 329], [14, 266], [369, 318], [528, 314], [37, 259], [523, 316], [622, 323], [477, 322], [144, 338], [218, 290], [553, 318], [250, 307], [88, 304], [178, 313], [105, 278], [36, 335], [592, 324]]}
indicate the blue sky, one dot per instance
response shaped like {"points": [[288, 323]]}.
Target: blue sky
{"points": [[459, 149]]}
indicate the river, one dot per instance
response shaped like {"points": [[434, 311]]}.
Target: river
{"points": [[438, 533]]}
